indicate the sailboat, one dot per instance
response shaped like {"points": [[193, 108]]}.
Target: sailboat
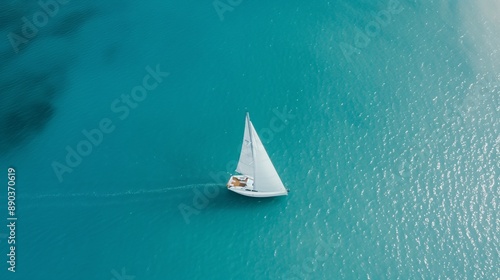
{"points": [[257, 176]]}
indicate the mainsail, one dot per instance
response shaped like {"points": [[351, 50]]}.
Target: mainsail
{"points": [[254, 161]]}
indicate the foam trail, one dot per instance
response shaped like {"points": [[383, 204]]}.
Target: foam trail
{"points": [[109, 198], [118, 194]]}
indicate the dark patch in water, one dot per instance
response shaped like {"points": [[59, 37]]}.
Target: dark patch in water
{"points": [[31, 118], [20, 124], [25, 107], [25, 96]]}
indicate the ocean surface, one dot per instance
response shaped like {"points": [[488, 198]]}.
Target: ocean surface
{"points": [[124, 119]]}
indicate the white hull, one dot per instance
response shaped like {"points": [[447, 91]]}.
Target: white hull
{"points": [[243, 185], [257, 194]]}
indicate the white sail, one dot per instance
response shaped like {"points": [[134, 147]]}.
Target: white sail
{"points": [[246, 163], [258, 176], [266, 179]]}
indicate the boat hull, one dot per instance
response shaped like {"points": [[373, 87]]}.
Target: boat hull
{"points": [[242, 184], [250, 193]]}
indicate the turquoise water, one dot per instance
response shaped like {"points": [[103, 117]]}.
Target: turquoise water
{"points": [[388, 140]]}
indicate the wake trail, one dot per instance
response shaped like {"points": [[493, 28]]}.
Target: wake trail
{"points": [[129, 193]]}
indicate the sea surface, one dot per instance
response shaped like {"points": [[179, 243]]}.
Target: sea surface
{"points": [[124, 119]]}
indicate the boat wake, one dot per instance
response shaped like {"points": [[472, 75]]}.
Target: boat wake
{"points": [[96, 198]]}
